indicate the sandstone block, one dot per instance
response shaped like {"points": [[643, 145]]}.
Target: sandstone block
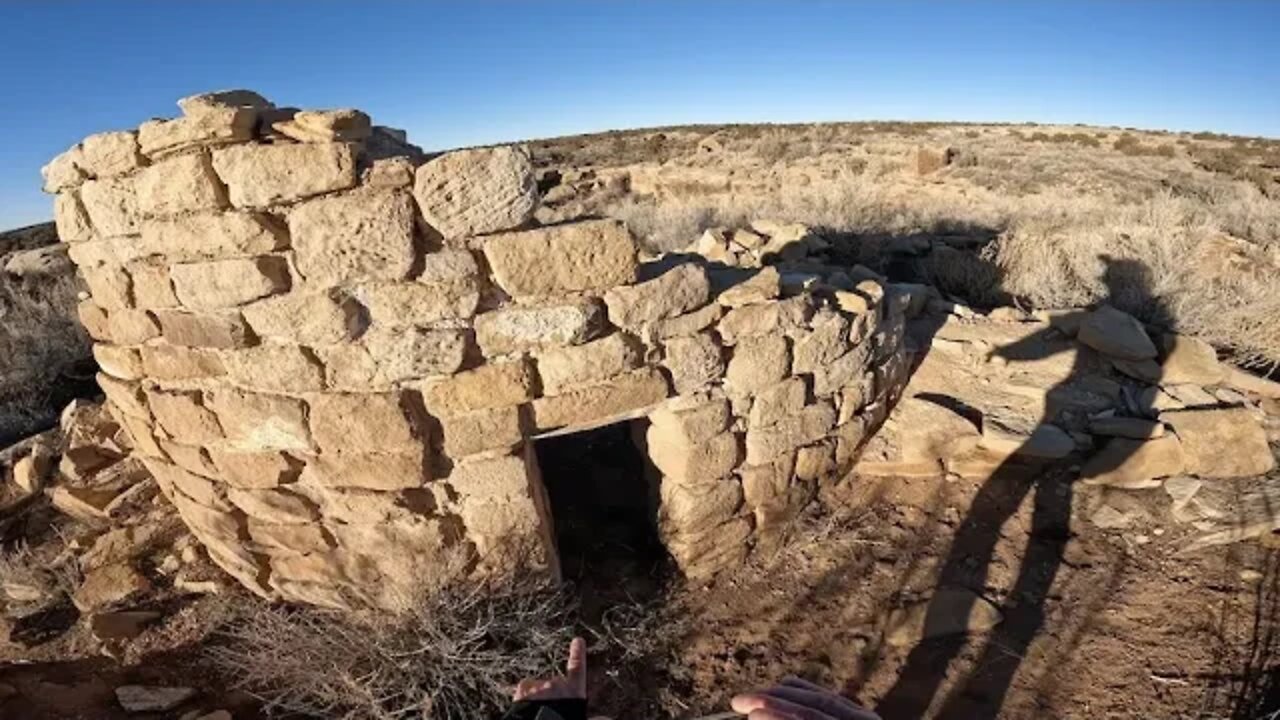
{"points": [[212, 235], [411, 303], [182, 184], [1189, 360], [517, 328], [125, 396], [763, 286], [228, 283], [811, 424], [482, 431], [827, 340], [1126, 463], [306, 318], [131, 327], [95, 321], [684, 325], [204, 492], [70, 218], [215, 126], [758, 363], [169, 362], [152, 289], [692, 462], [1221, 443], [191, 458], [108, 586], [387, 356], [219, 101], [325, 126], [251, 470], [259, 176], [596, 361], [693, 508], [703, 554], [1126, 427], [370, 470], [832, 377], [274, 505], [274, 368], [1044, 440], [449, 266], [497, 478], [767, 485], [213, 329], [694, 362], [573, 257], [352, 422], [473, 192], [274, 539], [1116, 333], [184, 417], [675, 292], [364, 235], [787, 317], [254, 422], [776, 402], [850, 437], [694, 419], [110, 286], [622, 395], [120, 362], [495, 385], [65, 171], [110, 153]]}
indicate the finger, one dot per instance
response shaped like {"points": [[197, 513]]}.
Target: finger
{"points": [[543, 690], [775, 707], [523, 688], [576, 670], [769, 715], [824, 701]]}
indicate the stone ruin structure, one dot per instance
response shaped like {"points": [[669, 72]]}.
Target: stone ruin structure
{"points": [[335, 355]]}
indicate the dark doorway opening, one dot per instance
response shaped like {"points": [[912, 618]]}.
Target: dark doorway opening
{"points": [[604, 508]]}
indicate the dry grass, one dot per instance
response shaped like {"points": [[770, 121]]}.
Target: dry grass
{"points": [[31, 580]]}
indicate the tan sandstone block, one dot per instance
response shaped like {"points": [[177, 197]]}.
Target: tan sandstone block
{"points": [[787, 317], [218, 102], [109, 285], [572, 257], [1222, 442], [185, 183], [706, 552], [191, 458], [618, 396], [695, 419], [692, 508], [364, 235], [95, 320], [140, 434], [321, 318], [816, 462], [228, 283], [159, 138], [274, 505], [110, 153], [168, 362], [766, 485], [412, 303], [389, 422], [70, 218], [827, 340], [694, 362], [213, 235], [274, 368], [757, 363], [482, 431], [830, 378], [213, 329], [673, 293], [494, 385], [684, 325], [254, 421], [385, 356], [126, 396], [565, 368], [184, 417], [473, 192], [251, 470], [64, 171], [692, 462], [345, 124], [121, 362], [259, 176], [112, 206], [371, 470], [205, 492], [131, 327], [517, 328], [152, 289], [776, 402], [765, 444], [274, 539]]}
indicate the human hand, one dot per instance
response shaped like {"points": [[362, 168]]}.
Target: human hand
{"points": [[796, 699], [571, 685]]}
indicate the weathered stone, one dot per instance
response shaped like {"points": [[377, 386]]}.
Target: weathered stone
{"points": [[274, 368], [766, 444], [127, 396], [951, 611], [1126, 427], [274, 505], [121, 362], [827, 340], [694, 362], [201, 490], [219, 101], [321, 318], [371, 470], [776, 402], [193, 459], [112, 206], [70, 218], [87, 505], [185, 183], [107, 586], [213, 235], [388, 422], [124, 326], [565, 368], [695, 419], [110, 286], [167, 362], [702, 554], [817, 462], [1147, 371], [763, 286], [1129, 463], [216, 126], [150, 698], [393, 173], [251, 470], [482, 431], [832, 377], [684, 325], [390, 355], [519, 328], [408, 303], [692, 461], [1221, 443], [621, 395], [259, 176], [96, 322], [473, 192], [772, 318], [495, 385], [152, 289], [276, 539], [228, 283], [344, 125], [693, 508], [213, 329], [675, 292], [364, 235], [138, 434], [758, 363], [573, 257], [255, 422], [1189, 360], [184, 417], [65, 171], [121, 624], [1116, 333], [767, 484], [1045, 441]]}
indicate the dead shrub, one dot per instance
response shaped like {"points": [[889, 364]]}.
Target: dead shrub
{"points": [[34, 579], [452, 654]]}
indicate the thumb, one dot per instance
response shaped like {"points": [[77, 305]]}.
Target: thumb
{"points": [[576, 670]]}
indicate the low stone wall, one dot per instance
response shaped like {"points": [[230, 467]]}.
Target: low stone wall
{"points": [[334, 356]]}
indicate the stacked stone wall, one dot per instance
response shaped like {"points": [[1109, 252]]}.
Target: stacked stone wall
{"points": [[334, 356]]}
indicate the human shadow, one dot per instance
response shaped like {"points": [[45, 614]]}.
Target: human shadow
{"points": [[981, 694]]}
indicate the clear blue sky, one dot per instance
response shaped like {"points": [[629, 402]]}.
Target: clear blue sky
{"points": [[466, 73]]}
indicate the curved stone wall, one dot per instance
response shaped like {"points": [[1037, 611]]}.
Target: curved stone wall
{"points": [[334, 356]]}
